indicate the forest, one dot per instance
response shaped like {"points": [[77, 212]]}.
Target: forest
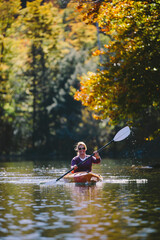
{"points": [[79, 70]]}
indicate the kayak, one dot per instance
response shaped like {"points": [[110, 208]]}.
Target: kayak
{"points": [[83, 177]]}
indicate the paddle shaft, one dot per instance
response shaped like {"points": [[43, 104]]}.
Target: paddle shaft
{"points": [[122, 134], [99, 150]]}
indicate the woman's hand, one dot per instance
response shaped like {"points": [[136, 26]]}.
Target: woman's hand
{"points": [[75, 167], [96, 154]]}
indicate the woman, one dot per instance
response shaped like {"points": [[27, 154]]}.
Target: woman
{"points": [[81, 149]]}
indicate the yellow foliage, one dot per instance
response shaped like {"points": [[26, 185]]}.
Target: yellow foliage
{"points": [[115, 93]]}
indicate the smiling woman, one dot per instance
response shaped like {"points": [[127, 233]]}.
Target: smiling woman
{"points": [[77, 161], [81, 149]]}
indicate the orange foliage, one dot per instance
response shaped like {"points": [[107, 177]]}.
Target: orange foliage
{"points": [[131, 77]]}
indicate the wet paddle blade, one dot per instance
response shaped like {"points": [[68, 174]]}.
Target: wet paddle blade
{"points": [[122, 134]]}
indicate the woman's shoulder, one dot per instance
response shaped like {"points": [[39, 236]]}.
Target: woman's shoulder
{"points": [[75, 158]]}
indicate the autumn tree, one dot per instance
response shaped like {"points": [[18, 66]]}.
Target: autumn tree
{"points": [[9, 11], [49, 66], [38, 23], [129, 88], [44, 50]]}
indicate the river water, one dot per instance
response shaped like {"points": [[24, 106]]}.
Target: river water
{"points": [[126, 205]]}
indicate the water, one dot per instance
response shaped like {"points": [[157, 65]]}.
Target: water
{"points": [[126, 205]]}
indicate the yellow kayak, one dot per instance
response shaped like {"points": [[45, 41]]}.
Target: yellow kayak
{"points": [[83, 177]]}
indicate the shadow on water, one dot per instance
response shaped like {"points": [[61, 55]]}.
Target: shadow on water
{"points": [[126, 205]]}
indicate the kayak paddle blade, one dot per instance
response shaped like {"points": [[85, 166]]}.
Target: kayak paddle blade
{"points": [[122, 134]]}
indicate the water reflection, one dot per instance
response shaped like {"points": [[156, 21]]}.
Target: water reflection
{"points": [[123, 206]]}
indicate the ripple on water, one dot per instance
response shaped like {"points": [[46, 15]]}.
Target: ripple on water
{"points": [[120, 207], [125, 181], [143, 233]]}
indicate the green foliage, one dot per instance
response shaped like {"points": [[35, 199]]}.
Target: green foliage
{"points": [[76, 33], [44, 51], [9, 11], [38, 23], [43, 54], [128, 90]]}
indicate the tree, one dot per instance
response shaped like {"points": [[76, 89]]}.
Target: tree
{"points": [[128, 90], [49, 63], [48, 55], [9, 11], [38, 23]]}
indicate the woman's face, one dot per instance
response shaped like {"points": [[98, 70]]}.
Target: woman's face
{"points": [[81, 148]]}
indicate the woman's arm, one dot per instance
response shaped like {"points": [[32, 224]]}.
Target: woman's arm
{"points": [[96, 158]]}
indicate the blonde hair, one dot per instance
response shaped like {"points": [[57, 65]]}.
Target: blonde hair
{"points": [[78, 144]]}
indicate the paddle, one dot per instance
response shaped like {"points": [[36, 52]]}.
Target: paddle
{"points": [[121, 135]]}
